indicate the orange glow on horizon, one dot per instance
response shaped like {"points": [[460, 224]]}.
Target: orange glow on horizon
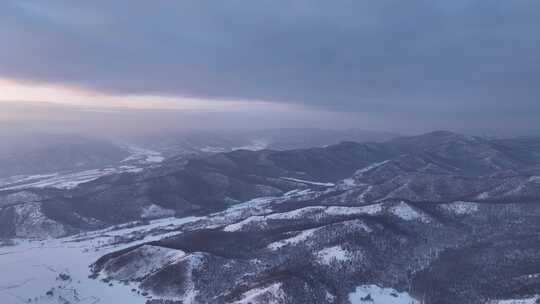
{"points": [[11, 91]]}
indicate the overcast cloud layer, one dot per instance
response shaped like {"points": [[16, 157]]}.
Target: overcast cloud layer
{"points": [[473, 59]]}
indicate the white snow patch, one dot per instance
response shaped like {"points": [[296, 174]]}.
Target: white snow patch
{"points": [[298, 193], [33, 266], [301, 237], [461, 208], [255, 145], [310, 211], [531, 300], [302, 181], [346, 183], [362, 197], [61, 181], [66, 180], [149, 259], [295, 214], [19, 197], [358, 225], [406, 212], [374, 294], [239, 212], [189, 293], [260, 204], [31, 223], [189, 296], [211, 149], [257, 202], [272, 294], [483, 196], [143, 156], [341, 210], [370, 167], [9, 181], [330, 298], [70, 179], [195, 261], [154, 211], [333, 254], [534, 179], [261, 220], [240, 225]]}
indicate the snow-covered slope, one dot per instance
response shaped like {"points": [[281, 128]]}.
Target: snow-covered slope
{"points": [[138, 159], [57, 270]]}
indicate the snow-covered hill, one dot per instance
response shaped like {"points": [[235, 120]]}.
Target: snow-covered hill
{"points": [[57, 270], [439, 218]]}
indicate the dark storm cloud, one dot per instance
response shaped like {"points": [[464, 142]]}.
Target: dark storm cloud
{"points": [[454, 57]]}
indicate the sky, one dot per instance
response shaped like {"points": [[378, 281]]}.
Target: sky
{"points": [[391, 65]]}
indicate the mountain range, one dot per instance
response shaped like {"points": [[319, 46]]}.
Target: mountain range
{"points": [[435, 218]]}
